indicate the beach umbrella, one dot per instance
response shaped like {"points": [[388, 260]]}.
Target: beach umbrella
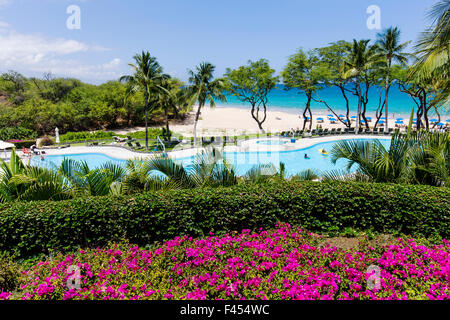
{"points": [[398, 122], [383, 118], [333, 119], [353, 117], [341, 116], [399, 119], [319, 118], [448, 120], [381, 122], [331, 115], [440, 124], [345, 120], [434, 120], [415, 119]]}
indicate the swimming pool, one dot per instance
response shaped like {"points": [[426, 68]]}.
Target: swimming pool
{"points": [[294, 160]]}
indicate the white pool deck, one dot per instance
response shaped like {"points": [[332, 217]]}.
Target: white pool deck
{"points": [[243, 146]]}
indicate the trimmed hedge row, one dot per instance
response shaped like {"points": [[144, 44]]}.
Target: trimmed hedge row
{"points": [[29, 228]]}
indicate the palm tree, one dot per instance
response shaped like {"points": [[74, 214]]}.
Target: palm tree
{"points": [[21, 182], [434, 51], [203, 88], [361, 59], [147, 77], [172, 98], [208, 169], [91, 182], [418, 157], [390, 50]]}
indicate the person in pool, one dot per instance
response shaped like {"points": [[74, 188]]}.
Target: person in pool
{"points": [[324, 151], [306, 156], [42, 158]]}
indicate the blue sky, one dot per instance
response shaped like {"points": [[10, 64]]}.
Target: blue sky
{"points": [[181, 33]]}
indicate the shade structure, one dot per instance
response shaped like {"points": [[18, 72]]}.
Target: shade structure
{"points": [[6, 145]]}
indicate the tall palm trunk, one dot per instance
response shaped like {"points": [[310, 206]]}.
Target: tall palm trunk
{"points": [[386, 124], [146, 121], [358, 120], [197, 116], [166, 113]]}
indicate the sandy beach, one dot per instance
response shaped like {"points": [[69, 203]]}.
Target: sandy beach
{"points": [[236, 121]]}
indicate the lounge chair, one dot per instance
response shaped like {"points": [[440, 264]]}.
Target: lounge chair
{"points": [[118, 139], [351, 130], [313, 132], [138, 145], [367, 131], [375, 131], [339, 131], [325, 132], [320, 132], [381, 130], [333, 131], [130, 144]]}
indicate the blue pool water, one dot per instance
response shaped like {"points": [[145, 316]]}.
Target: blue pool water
{"points": [[242, 161], [271, 142]]}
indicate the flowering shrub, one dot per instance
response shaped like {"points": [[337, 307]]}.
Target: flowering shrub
{"points": [[284, 263]]}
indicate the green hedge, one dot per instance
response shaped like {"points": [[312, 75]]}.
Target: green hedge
{"points": [[30, 228], [17, 133]]}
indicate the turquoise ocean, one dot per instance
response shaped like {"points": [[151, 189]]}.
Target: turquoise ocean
{"points": [[293, 101]]}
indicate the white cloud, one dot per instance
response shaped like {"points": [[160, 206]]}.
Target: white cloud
{"points": [[4, 3], [36, 53]]}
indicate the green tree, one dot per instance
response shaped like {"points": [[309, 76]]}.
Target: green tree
{"points": [[332, 58], [433, 51], [360, 61], [390, 50], [252, 83], [304, 73], [147, 77], [203, 88]]}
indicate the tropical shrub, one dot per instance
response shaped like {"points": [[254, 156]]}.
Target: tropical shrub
{"points": [[9, 272], [86, 136], [22, 143], [287, 263], [45, 141], [30, 228], [17, 133]]}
